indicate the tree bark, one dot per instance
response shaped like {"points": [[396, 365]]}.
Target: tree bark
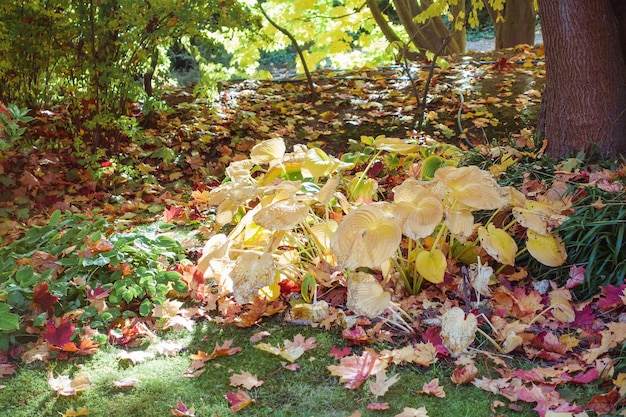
{"points": [[518, 26], [584, 102]]}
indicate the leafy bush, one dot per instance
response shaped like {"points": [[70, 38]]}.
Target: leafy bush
{"points": [[70, 264], [11, 129]]}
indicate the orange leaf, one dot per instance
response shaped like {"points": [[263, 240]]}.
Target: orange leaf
{"points": [[464, 375]]}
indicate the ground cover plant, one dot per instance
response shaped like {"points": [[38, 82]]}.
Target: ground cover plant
{"points": [[213, 267]]}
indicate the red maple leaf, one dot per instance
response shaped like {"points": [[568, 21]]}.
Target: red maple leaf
{"points": [[175, 212], [611, 297], [604, 403], [43, 300], [287, 287], [356, 336], [60, 335], [586, 377], [584, 318], [432, 335], [340, 353]]}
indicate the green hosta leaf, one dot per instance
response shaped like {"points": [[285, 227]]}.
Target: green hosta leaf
{"points": [[8, 321]]}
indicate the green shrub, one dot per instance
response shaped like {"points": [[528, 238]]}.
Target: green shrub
{"points": [[59, 266]]}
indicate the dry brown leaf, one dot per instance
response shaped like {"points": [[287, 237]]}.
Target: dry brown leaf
{"points": [[381, 385], [246, 380], [457, 330], [433, 388]]}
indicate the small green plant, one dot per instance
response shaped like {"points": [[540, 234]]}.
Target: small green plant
{"points": [[11, 126], [73, 264]]}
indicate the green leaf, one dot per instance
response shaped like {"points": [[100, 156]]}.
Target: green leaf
{"points": [[54, 218], [8, 321], [26, 276], [145, 308]]}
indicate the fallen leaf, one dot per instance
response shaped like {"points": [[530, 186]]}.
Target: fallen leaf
{"points": [[413, 412], [259, 336], [135, 357], [381, 385], [340, 353], [65, 386], [433, 388], [354, 370], [464, 375], [238, 400], [246, 380], [378, 406], [59, 335], [125, 383], [73, 413], [182, 410]]}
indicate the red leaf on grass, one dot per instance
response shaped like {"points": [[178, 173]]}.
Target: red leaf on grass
{"points": [[378, 406], [354, 370], [182, 410], [356, 336], [173, 212], [340, 353], [586, 377], [60, 335], [238, 400]]}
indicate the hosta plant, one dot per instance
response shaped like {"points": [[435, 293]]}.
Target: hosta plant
{"points": [[308, 214]]}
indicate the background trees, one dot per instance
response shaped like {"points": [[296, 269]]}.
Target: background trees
{"points": [[97, 57]]}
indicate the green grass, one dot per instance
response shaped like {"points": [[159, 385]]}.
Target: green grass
{"points": [[310, 391]]}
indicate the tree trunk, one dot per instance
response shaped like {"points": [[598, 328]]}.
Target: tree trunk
{"points": [[515, 24], [585, 97]]}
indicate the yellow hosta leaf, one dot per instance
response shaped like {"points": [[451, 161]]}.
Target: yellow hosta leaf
{"points": [[368, 236], [268, 151], [472, 187], [417, 209], [549, 250], [460, 222], [270, 293], [363, 188], [317, 163], [396, 145], [250, 273], [431, 265], [498, 244], [366, 297], [282, 215]]}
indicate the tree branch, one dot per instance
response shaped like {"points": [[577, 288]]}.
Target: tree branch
{"points": [[294, 42]]}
